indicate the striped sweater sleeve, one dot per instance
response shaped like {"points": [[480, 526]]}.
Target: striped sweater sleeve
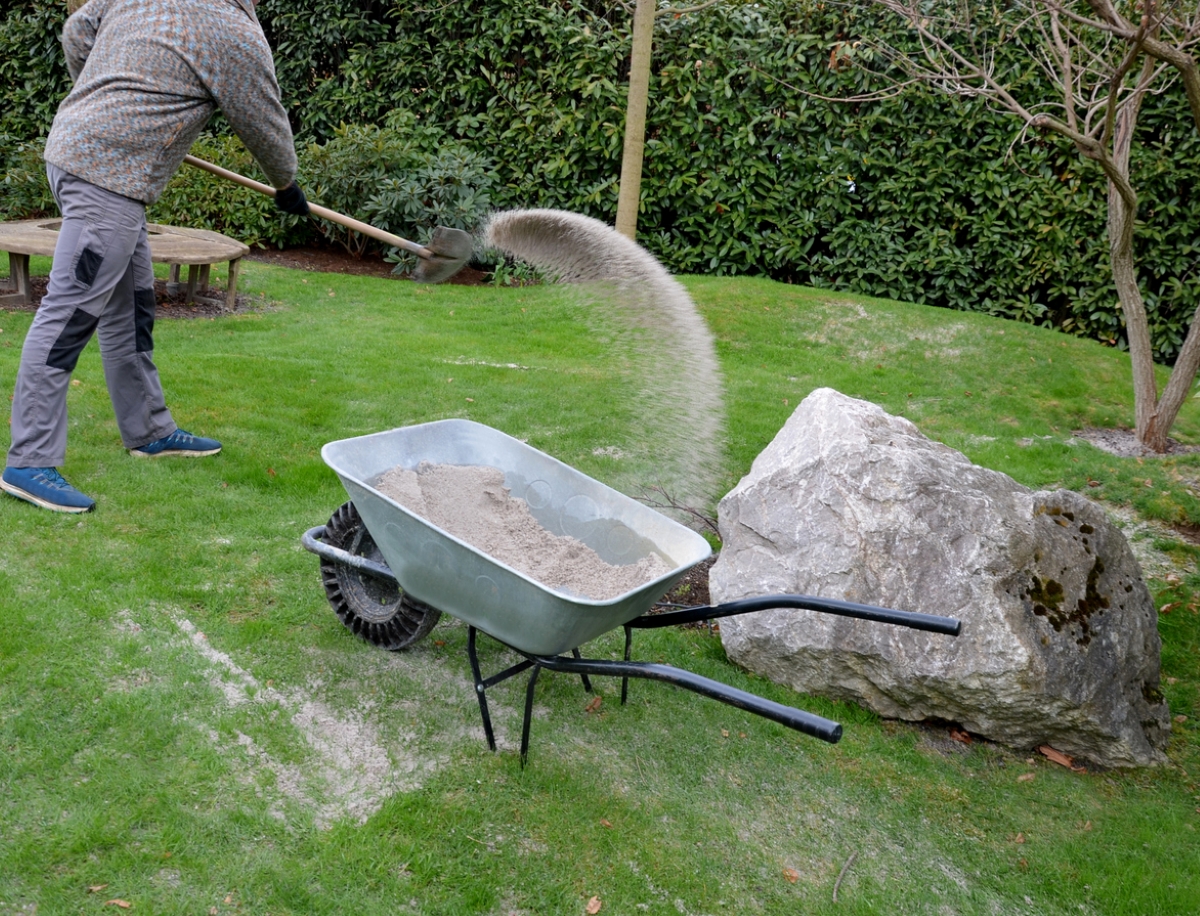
{"points": [[248, 94], [79, 35]]}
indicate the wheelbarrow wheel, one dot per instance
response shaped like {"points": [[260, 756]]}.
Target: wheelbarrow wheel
{"points": [[376, 609]]}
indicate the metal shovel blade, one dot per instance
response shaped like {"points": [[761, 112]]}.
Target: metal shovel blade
{"points": [[449, 250]]}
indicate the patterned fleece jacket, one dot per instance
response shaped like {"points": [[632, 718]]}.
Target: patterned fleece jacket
{"points": [[148, 75]]}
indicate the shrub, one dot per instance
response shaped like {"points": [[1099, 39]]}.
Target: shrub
{"points": [[33, 75], [201, 200], [404, 178], [193, 197], [398, 178], [748, 169], [26, 188], [312, 41]]}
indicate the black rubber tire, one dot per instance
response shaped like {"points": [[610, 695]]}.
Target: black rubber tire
{"points": [[375, 609]]}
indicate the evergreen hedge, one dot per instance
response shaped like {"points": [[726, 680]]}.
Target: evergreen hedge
{"points": [[919, 198]]}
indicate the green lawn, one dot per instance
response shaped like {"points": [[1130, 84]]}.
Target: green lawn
{"points": [[186, 727]]}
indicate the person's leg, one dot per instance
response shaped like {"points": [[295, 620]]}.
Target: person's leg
{"points": [[126, 335], [96, 240], [98, 236]]}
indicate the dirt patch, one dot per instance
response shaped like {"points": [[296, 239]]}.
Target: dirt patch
{"points": [[317, 260], [1124, 444], [1142, 535], [336, 261], [169, 306], [1187, 531], [323, 260], [692, 589], [349, 774]]}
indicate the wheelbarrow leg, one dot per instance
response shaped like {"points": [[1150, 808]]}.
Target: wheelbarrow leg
{"points": [[481, 691], [625, 680], [528, 714], [587, 685], [483, 683]]}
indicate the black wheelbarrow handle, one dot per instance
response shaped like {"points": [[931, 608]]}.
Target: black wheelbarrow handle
{"points": [[930, 622], [797, 719], [312, 541]]}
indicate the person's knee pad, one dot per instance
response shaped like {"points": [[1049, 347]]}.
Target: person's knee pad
{"points": [[144, 305], [71, 340]]}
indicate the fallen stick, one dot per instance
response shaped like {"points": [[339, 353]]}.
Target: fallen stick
{"points": [[845, 868]]}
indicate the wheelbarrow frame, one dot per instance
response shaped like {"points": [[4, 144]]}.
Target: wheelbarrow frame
{"points": [[796, 719]]}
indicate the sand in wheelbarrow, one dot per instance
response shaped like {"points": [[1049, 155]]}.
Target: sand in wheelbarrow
{"points": [[472, 503]]}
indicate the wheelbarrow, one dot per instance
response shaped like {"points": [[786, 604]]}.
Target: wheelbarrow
{"points": [[389, 574]]}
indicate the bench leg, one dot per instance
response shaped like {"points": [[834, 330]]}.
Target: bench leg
{"points": [[193, 273], [18, 276], [231, 285], [203, 288], [173, 280]]}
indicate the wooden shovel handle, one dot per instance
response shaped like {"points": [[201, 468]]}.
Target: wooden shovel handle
{"points": [[332, 215]]}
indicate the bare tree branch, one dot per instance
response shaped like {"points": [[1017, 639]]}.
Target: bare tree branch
{"points": [[1115, 84], [1064, 57], [882, 95], [680, 10], [657, 497], [1102, 58]]}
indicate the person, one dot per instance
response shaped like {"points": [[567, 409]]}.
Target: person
{"points": [[148, 75]]}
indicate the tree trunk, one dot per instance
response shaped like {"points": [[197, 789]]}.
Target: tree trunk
{"points": [[635, 119], [1122, 214], [1137, 327], [1187, 363], [1088, 59], [1179, 386]]}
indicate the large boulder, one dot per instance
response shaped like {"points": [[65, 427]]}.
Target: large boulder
{"points": [[1059, 643]]}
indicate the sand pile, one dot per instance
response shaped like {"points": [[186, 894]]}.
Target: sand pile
{"points": [[473, 504]]}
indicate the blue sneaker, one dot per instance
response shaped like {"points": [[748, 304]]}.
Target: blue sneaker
{"points": [[45, 487], [179, 442]]}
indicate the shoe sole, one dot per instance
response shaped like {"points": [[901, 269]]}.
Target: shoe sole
{"points": [[182, 452], [12, 490]]}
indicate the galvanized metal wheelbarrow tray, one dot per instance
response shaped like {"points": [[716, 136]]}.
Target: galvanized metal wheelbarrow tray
{"points": [[388, 573]]}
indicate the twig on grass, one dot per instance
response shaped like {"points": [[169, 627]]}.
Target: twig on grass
{"points": [[845, 868]]}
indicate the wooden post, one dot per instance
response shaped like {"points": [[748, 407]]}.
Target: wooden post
{"points": [[193, 272], [18, 273], [231, 285], [629, 194]]}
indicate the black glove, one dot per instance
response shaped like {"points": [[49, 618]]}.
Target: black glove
{"points": [[291, 200]]}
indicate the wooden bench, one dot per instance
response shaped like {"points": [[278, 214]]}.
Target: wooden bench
{"points": [[199, 249]]}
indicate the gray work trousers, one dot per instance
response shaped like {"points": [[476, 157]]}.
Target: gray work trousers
{"points": [[101, 282]]}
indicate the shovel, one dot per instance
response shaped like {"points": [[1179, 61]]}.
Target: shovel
{"points": [[447, 253]]}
